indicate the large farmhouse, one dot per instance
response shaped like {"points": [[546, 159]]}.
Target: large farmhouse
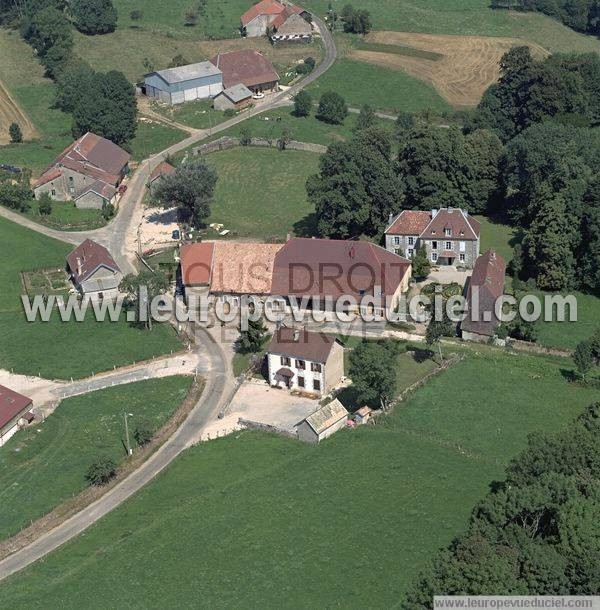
{"points": [[307, 361], [185, 83], [14, 412], [88, 172], [450, 236], [248, 67], [94, 271], [317, 268], [270, 15]]}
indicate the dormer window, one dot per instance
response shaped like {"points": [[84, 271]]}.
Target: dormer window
{"points": [[448, 232]]}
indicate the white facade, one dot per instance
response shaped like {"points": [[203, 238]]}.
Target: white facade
{"points": [[307, 376]]}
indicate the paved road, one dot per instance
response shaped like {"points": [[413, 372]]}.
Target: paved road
{"points": [[203, 412], [114, 235]]}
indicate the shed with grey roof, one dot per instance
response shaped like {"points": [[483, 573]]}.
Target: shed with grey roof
{"points": [[324, 422], [185, 83], [236, 97]]}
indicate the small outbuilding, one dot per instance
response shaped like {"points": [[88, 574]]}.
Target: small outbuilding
{"points": [[14, 413], [162, 170], [324, 422], [234, 98], [363, 415], [198, 81]]}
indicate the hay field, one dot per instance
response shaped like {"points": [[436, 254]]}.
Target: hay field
{"points": [[460, 68], [11, 112]]}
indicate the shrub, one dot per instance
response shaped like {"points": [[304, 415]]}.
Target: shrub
{"points": [[332, 108], [45, 204], [302, 103], [143, 433], [101, 470], [15, 133]]}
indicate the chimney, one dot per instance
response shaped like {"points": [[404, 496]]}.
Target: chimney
{"points": [[78, 266], [450, 210], [288, 237], [434, 213], [390, 219]]}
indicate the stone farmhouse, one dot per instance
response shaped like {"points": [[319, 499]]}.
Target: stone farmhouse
{"points": [[93, 271], [280, 21], [88, 172], [306, 361], [14, 413], [321, 269], [488, 281], [172, 86], [248, 67], [450, 235]]}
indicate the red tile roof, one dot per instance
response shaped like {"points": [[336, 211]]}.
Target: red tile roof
{"points": [[91, 255], [248, 67], [285, 14], [266, 7], [488, 277], [302, 344], [92, 156], [330, 267], [409, 222], [461, 225], [12, 404], [196, 263], [162, 169]]}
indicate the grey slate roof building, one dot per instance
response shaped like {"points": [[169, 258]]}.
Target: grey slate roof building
{"points": [[185, 83], [324, 422], [235, 97]]}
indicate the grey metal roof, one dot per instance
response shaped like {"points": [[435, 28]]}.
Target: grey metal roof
{"points": [[238, 92], [327, 416], [189, 72]]}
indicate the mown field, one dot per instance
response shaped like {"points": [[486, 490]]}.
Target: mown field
{"points": [[257, 520], [57, 349], [261, 192], [66, 217], [45, 464]]}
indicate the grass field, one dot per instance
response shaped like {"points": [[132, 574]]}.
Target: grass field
{"points": [[497, 236], [45, 464], [199, 114], [57, 349], [305, 129], [257, 520], [383, 88], [152, 137], [260, 192], [66, 217]]}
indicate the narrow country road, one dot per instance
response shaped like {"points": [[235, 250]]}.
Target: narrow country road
{"points": [[114, 237], [203, 412]]}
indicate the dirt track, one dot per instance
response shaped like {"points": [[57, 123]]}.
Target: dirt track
{"points": [[470, 64], [10, 112]]}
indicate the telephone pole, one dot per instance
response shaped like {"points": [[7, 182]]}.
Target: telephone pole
{"points": [[129, 450]]}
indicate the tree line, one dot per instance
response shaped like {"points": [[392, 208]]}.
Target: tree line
{"points": [[528, 154], [581, 15], [100, 102], [537, 532]]}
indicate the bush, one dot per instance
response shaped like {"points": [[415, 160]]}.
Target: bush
{"points": [[245, 136], [302, 103], [94, 16], [101, 471], [229, 112], [143, 433], [332, 108], [45, 204], [136, 15]]}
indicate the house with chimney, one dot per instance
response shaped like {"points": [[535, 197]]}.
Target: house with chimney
{"points": [[310, 362], [88, 172], [483, 290], [93, 271], [451, 236]]}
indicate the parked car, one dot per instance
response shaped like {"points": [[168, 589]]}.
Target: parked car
{"points": [[259, 95]]}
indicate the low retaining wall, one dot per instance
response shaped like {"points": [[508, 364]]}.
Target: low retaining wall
{"points": [[228, 142], [254, 425]]}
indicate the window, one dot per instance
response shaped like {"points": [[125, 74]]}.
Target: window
{"points": [[411, 241], [315, 367], [463, 246], [396, 240], [409, 253], [461, 257], [300, 382], [285, 361], [397, 250], [447, 232], [53, 192], [317, 385], [434, 245], [434, 256], [70, 178], [448, 245], [300, 364]]}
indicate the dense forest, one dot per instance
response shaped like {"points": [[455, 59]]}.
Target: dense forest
{"points": [[581, 15]]}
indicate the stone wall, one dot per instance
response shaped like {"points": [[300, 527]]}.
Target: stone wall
{"points": [[228, 142]]}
